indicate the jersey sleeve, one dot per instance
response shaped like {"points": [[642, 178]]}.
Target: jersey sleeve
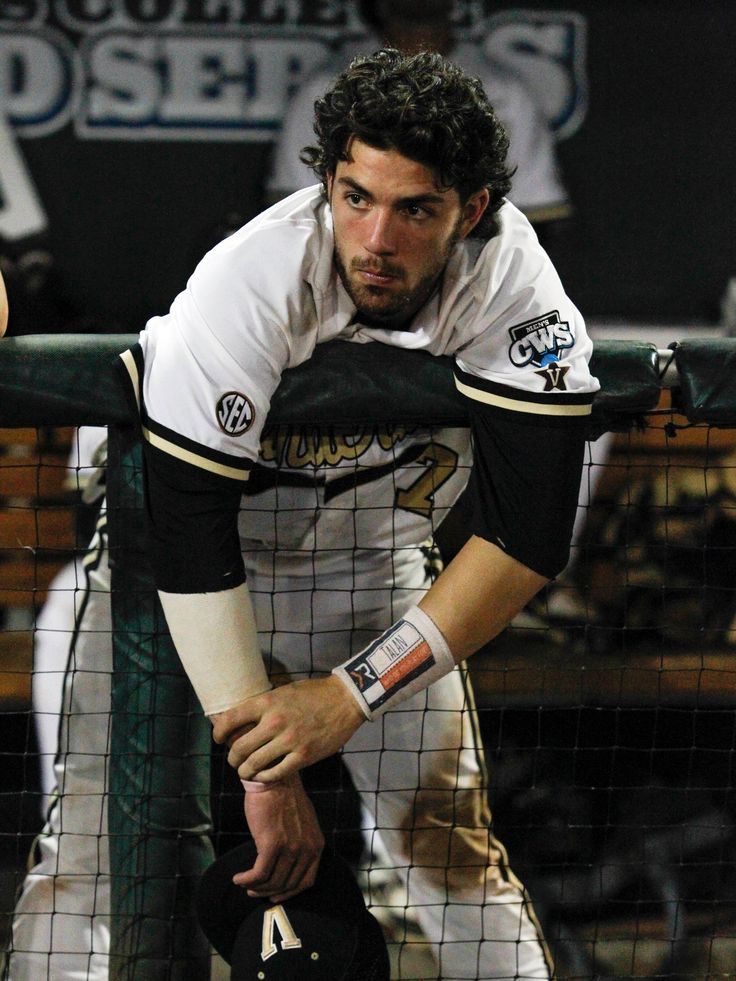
{"points": [[203, 376], [530, 392]]}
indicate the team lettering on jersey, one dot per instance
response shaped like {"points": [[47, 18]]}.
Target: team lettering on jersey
{"points": [[540, 342], [314, 448], [431, 464]]}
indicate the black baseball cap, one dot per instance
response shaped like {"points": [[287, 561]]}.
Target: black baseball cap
{"points": [[323, 934]]}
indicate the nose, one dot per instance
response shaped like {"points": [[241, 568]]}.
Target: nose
{"points": [[380, 233]]}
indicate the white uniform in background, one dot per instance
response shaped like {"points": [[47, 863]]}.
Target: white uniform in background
{"points": [[54, 627], [333, 555], [537, 186]]}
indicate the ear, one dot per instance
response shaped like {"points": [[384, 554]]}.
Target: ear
{"points": [[473, 210], [329, 178]]}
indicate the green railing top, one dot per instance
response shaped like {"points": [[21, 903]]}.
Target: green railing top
{"points": [[69, 379]]}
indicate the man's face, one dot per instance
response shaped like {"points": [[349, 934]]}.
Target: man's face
{"points": [[394, 230]]}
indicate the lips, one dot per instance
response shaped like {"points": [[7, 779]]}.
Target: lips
{"points": [[376, 276], [376, 279]]}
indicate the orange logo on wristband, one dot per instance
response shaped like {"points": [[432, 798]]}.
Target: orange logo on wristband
{"points": [[421, 653]]}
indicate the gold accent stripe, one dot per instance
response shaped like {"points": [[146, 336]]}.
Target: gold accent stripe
{"points": [[188, 457], [550, 212], [518, 405], [132, 368]]}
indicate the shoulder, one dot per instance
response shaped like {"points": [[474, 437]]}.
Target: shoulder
{"points": [[272, 255], [511, 260], [512, 314]]}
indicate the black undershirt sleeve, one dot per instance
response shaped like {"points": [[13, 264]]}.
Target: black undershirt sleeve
{"points": [[525, 483], [193, 525]]}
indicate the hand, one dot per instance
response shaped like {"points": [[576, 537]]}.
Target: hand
{"points": [[296, 724], [288, 839]]}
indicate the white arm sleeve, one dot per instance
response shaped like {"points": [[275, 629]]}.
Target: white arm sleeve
{"points": [[216, 638]]}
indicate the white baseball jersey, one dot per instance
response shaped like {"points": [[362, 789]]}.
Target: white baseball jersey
{"points": [[262, 300], [537, 188]]}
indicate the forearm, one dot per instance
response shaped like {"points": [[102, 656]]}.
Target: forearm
{"points": [[473, 600], [199, 572], [216, 638], [478, 595]]}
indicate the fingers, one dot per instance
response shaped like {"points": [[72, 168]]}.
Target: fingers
{"points": [[271, 873], [227, 724], [288, 840], [303, 877], [287, 767], [296, 725], [276, 756], [280, 874], [245, 745]]}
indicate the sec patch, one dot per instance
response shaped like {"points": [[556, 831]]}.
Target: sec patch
{"points": [[235, 413]]}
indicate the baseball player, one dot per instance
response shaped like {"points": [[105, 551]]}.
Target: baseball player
{"points": [[408, 241], [408, 25]]}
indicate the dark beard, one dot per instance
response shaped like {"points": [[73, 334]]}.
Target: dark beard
{"points": [[394, 315], [398, 314]]}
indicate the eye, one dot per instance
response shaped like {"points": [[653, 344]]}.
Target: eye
{"points": [[355, 199], [416, 212]]}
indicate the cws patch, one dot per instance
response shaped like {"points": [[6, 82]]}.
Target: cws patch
{"points": [[235, 413], [540, 341]]}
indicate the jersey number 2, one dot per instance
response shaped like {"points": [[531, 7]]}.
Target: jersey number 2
{"points": [[440, 463]]}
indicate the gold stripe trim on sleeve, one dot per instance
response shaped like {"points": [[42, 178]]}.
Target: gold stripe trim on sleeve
{"points": [[519, 405], [189, 457], [132, 368]]}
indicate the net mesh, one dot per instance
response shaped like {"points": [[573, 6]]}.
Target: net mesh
{"points": [[605, 711]]}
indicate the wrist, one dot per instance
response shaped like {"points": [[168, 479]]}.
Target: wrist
{"points": [[353, 705], [406, 659], [254, 786]]}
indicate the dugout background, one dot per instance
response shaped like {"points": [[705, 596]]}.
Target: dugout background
{"points": [[650, 171], [651, 174]]}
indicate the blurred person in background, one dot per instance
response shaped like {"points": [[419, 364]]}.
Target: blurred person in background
{"points": [[410, 26], [33, 301]]}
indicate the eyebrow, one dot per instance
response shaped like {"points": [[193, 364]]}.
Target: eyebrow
{"points": [[427, 198]]}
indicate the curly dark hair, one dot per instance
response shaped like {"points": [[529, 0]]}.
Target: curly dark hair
{"points": [[428, 110]]}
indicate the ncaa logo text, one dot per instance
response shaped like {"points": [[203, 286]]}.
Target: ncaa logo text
{"points": [[541, 341], [235, 413]]}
